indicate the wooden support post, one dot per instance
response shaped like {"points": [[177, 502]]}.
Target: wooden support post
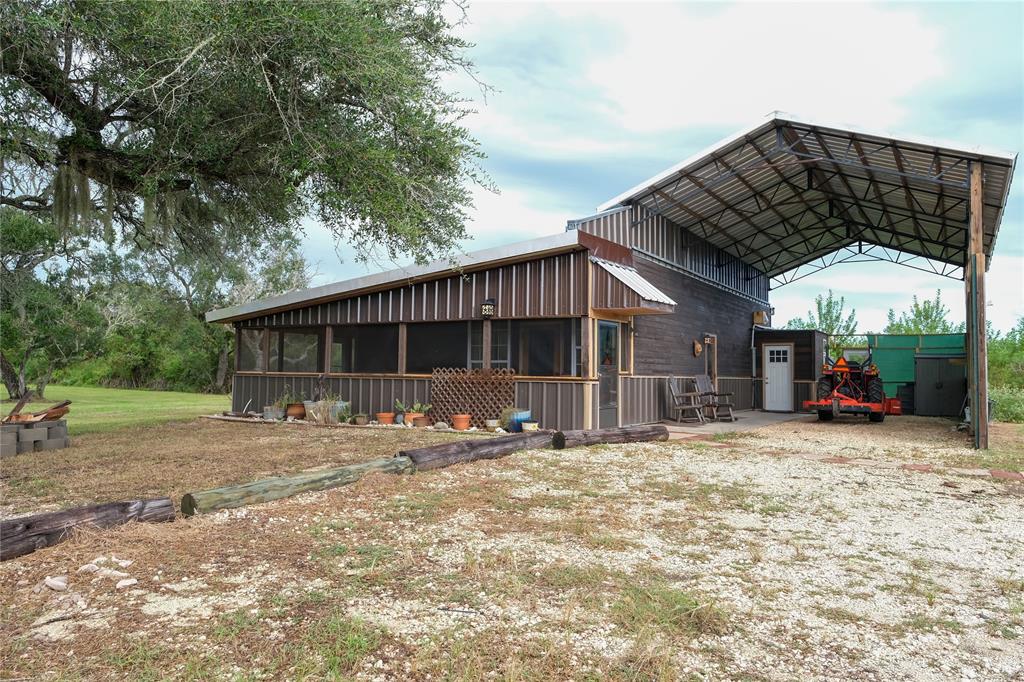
{"points": [[486, 343], [328, 344], [977, 343], [403, 342]]}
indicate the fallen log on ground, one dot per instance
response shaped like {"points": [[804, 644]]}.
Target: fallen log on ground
{"points": [[446, 454], [624, 434], [26, 534], [228, 497]]}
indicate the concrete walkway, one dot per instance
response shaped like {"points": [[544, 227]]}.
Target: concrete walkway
{"points": [[746, 420]]}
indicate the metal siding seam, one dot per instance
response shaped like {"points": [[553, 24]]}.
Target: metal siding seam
{"points": [[437, 294], [501, 293], [391, 304], [462, 283], [424, 300], [412, 302], [558, 292], [472, 304], [543, 302], [512, 313], [526, 295], [448, 300]]}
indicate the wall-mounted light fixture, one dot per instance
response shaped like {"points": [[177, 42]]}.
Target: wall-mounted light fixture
{"points": [[487, 309]]}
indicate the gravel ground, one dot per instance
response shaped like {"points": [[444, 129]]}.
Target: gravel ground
{"points": [[681, 560]]}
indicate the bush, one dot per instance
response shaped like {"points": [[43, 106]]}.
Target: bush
{"points": [[1008, 403]]}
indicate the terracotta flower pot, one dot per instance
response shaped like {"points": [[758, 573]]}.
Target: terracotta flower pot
{"points": [[460, 422], [295, 411], [360, 420], [420, 421], [385, 417], [410, 417]]}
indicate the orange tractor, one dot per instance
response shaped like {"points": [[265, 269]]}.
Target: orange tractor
{"points": [[850, 387]]}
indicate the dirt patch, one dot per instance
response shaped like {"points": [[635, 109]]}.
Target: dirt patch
{"points": [[648, 561], [172, 459]]}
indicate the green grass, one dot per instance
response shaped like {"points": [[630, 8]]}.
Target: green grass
{"points": [[95, 410]]}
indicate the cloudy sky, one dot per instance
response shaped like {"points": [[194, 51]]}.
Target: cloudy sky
{"points": [[596, 97]]}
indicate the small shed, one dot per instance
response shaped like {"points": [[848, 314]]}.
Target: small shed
{"points": [[897, 358], [940, 385], [793, 360]]}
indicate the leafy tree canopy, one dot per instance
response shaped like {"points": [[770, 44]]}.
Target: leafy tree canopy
{"points": [[927, 317], [210, 121], [830, 317]]}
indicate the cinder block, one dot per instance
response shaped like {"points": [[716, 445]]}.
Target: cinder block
{"points": [[59, 431], [53, 422], [28, 435], [10, 428], [51, 444], [26, 446], [8, 450], [9, 439]]}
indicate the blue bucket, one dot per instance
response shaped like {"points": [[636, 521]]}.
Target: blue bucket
{"points": [[515, 422]]}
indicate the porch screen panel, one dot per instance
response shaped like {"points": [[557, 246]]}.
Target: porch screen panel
{"points": [[368, 348], [436, 344], [544, 347], [250, 350], [300, 351]]}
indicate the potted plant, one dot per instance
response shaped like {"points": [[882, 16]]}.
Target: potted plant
{"points": [[293, 403], [273, 412], [400, 410], [385, 417], [530, 425], [460, 422], [360, 420], [416, 411]]}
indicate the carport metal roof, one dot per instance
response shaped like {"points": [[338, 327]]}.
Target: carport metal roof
{"points": [[791, 197]]}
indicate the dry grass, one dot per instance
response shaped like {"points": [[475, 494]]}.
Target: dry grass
{"points": [[172, 459], [645, 562]]}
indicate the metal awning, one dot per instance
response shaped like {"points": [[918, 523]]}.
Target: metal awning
{"points": [[648, 298], [791, 197]]}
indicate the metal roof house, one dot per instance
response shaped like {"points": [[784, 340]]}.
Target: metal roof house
{"points": [[670, 278]]}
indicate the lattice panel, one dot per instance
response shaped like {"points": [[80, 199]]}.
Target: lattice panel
{"points": [[481, 393]]}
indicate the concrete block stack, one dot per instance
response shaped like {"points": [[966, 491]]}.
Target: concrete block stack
{"points": [[16, 438]]}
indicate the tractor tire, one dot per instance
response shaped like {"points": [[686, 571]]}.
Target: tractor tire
{"points": [[876, 416], [824, 390], [876, 391], [825, 415]]}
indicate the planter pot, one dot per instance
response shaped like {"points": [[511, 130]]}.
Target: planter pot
{"points": [[530, 426], [309, 406], [360, 420], [385, 417], [420, 421], [273, 412], [337, 409], [295, 411], [492, 424], [410, 417], [460, 422]]}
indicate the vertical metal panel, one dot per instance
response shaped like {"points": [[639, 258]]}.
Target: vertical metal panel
{"points": [[555, 404]]}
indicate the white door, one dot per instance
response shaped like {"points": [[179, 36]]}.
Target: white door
{"points": [[778, 378]]}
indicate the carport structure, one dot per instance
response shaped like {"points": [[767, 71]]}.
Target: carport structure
{"points": [[790, 198]]}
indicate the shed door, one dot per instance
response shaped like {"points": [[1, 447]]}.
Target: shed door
{"points": [[940, 386], [778, 378]]}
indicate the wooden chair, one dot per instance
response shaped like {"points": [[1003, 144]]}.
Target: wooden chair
{"points": [[711, 401], [683, 401]]}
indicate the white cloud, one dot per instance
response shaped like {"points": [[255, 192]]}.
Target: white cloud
{"points": [[676, 65]]}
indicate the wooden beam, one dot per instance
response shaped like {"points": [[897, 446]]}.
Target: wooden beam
{"points": [[403, 342], [486, 343], [974, 281], [328, 342]]}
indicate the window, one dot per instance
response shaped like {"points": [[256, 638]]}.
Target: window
{"points": [[437, 344], [250, 350], [371, 349], [476, 345], [545, 347], [778, 355]]}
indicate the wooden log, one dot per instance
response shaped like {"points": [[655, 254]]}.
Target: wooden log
{"points": [[26, 534], [446, 454], [269, 489], [624, 434]]}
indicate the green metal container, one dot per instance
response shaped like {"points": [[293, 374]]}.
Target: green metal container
{"points": [[894, 354]]}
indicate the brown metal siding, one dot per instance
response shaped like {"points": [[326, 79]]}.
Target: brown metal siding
{"points": [[367, 395], [555, 404], [807, 348], [643, 399], [664, 343], [661, 239], [609, 292], [555, 286]]}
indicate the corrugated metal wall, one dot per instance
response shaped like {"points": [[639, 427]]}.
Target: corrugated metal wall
{"points": [[555, 286], [555, 404], [643, 399], [609, 292], [660, 238]]}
